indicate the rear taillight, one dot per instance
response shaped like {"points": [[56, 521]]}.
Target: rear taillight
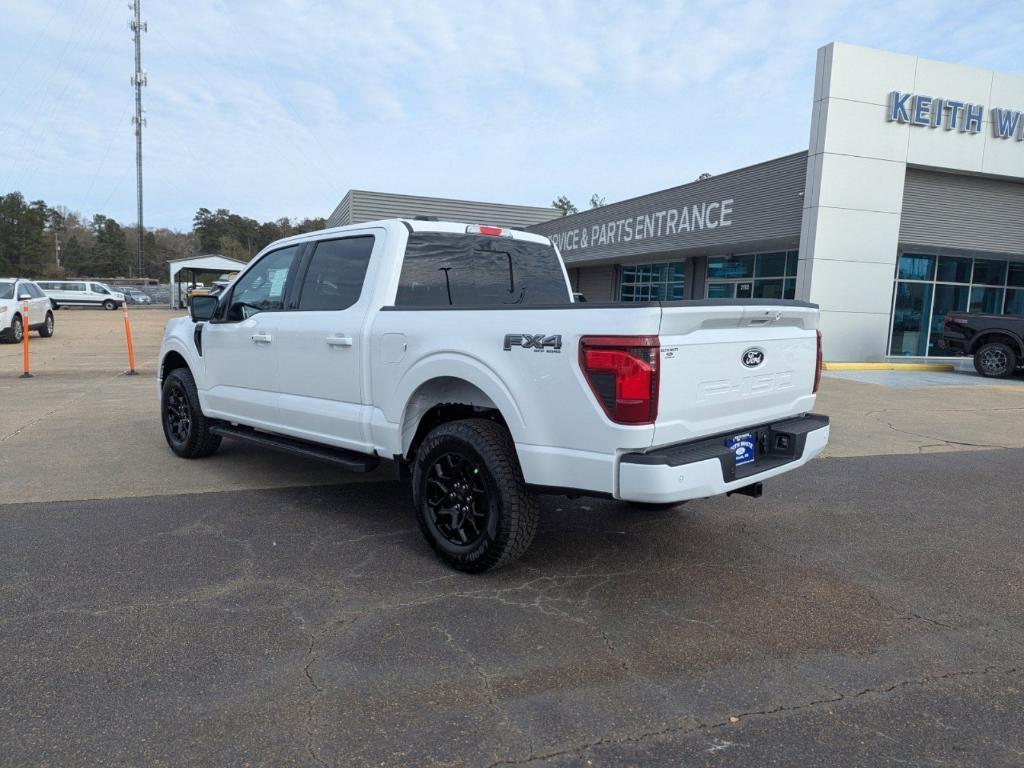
{"points": [[817, 366], [950, 323], [622, 371]]}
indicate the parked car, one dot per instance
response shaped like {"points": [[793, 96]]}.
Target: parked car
{"points": [[81, 293], [187, 290], [136, 296], [14, 293], [458, 353], [995, 341]]}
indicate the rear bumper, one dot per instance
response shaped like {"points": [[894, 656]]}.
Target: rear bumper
{"points": [[707, 467]]}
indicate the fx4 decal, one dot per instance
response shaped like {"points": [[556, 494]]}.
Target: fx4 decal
{"points": [[535, 341]]}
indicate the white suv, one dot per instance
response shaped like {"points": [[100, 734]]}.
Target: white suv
{"points": [[14, 292]]}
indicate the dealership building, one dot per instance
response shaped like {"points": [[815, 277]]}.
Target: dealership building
{"points": [[907, 204]]}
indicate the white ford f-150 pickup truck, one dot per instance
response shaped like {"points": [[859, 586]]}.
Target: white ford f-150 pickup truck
{"points": [[457, 352]]}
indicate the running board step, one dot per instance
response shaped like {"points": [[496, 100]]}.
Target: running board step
{"points": [[350, 460]]}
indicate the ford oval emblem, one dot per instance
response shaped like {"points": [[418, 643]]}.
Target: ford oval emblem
{"points": [[753, 357]]}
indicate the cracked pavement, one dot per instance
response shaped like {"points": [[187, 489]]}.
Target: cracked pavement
{"points": [[867, 610], [254, 609]]}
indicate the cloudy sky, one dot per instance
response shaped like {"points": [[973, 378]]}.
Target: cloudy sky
{"points": [[276, 109]]}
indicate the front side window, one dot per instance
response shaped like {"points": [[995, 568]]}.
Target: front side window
{"points": [[97, 288], [442, 269], [335, 275], [263, 287], [34, 291]]}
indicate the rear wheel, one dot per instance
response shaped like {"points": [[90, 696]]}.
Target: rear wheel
{"points": [[995, 360], [109, 304], [471, 500], [47, 330], [186, 428]]}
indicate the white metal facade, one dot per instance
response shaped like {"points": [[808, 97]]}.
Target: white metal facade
{"points": [[856, 172]]}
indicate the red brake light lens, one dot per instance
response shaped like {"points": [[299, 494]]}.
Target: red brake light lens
{"points": [[482, 229], [817, 367], [624, 375]]}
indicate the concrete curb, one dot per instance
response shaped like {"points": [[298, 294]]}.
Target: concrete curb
{"points": [[935, 367]]}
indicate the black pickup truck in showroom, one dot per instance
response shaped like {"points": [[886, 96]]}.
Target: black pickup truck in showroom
{"points": [[995, 341]]}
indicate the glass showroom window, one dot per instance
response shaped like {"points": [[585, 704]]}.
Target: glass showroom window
{"points": [[930, 285], [653, 282], [753, 276]]}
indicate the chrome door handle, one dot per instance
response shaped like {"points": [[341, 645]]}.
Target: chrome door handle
{"points": [[262, 338], [339, 341]]}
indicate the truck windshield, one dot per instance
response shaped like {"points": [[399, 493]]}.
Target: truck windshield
{"points": [[443, 269]]}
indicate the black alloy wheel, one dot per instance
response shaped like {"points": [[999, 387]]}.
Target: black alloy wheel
{"points": [[457, 499], [177, 415], [995, 360], [185, 425], [471, 500]]}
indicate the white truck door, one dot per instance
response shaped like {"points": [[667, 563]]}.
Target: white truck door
{"points": [[322, 350], [240, 350]]}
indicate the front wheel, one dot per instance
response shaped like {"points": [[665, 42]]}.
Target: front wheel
{"points": [[186, 428], [15, 332], [471, 500], [47, 330], [995, 360], [109, 304]]}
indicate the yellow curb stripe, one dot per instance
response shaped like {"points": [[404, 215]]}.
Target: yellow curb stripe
{"points": [[937, 367]]}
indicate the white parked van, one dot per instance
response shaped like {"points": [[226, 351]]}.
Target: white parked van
{"points": [[81, 293]]}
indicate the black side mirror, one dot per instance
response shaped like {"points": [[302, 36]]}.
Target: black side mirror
{"points": [[203, 308]]}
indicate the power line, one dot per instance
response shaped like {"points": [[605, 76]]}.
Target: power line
{"points": [[139, 79]]}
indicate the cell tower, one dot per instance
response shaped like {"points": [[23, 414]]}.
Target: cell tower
{"points": [[139, 79]]}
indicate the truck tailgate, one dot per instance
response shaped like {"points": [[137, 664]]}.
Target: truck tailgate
{"points": [[728, 366]]}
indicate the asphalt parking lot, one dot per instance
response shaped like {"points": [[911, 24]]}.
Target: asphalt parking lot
{"points": [[249, 609]]}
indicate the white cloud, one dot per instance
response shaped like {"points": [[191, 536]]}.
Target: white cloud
{"points": [[275, 109]]}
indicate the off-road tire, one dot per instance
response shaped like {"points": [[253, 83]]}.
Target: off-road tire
{"points": [[195, 442], [46, 329], [995, 360], [512, 512]]}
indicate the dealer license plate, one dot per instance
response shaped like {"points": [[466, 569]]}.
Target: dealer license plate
{"points": [[743, 448]]}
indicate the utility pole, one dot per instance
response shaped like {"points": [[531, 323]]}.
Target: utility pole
{"points": [[139, 79]]}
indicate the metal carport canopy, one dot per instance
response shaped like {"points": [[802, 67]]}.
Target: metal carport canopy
{"points": [[209, 263]]}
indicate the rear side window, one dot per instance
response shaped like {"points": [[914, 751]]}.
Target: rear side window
{"points": [[335, 275], [442, 270]]}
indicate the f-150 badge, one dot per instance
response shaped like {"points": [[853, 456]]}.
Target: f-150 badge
{"points": [[535, 341]]}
